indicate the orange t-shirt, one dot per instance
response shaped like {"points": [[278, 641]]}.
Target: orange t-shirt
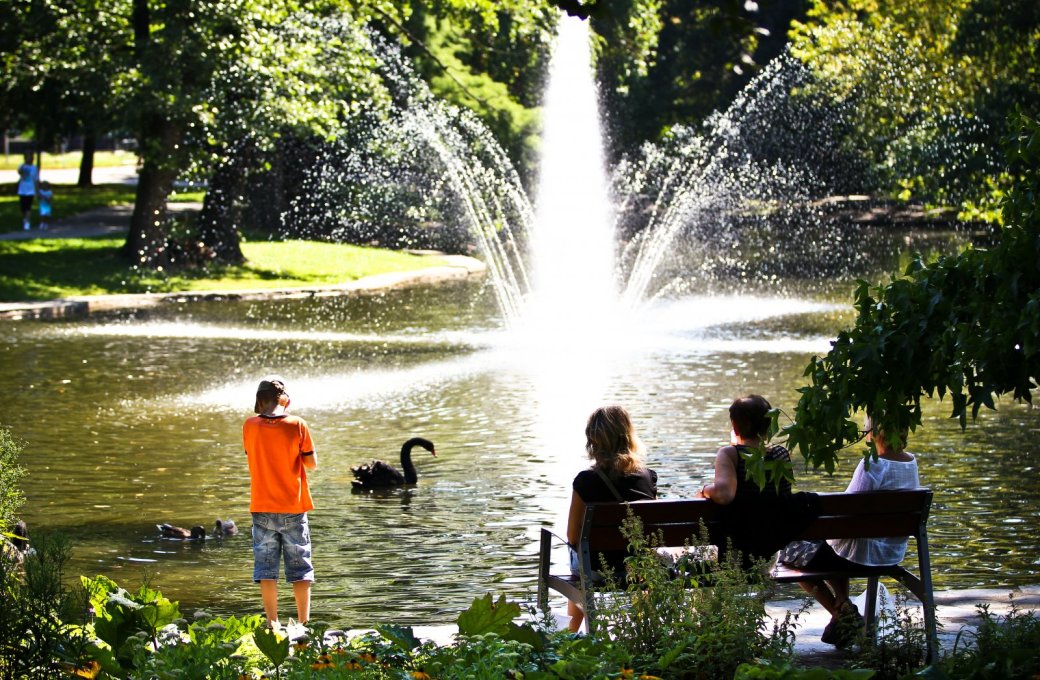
{"points": [[274, 448]]}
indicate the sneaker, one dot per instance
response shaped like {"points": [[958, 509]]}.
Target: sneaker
{"points": [[844, 628]]}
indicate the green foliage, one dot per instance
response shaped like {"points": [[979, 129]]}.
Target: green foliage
{"points": [[11, 474], [664, 63], [38, 613], [966, 327], [274, 646], [704, 624], [783, 670], [928, 88], [900, 645], [486, 616], [1005, 647], [127, 622]]}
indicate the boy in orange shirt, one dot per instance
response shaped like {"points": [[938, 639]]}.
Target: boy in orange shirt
{"points": [[279, 450]]}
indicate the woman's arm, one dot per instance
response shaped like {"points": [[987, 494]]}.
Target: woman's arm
{"points": [[575, 518], [724, 488]]}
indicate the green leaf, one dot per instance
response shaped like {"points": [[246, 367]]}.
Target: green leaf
{"points": [[487, 616], [275, 647], [402, 637]]}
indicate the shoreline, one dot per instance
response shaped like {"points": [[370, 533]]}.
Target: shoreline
{"points": [[458, 267]]}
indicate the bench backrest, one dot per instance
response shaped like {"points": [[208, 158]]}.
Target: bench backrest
{"points": [[871, 514]]}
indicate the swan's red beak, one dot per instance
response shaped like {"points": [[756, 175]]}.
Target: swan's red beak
{"points": [[433, 453]]}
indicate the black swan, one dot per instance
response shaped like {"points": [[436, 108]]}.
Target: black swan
{"points": [[379, 474], [225, 527], [170, 531]]}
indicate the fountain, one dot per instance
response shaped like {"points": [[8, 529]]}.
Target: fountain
{"points": [[137, 420]]}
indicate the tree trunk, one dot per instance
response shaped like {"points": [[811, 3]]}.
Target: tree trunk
{"points": [[220, 216], [86, 162], [146, 243]]}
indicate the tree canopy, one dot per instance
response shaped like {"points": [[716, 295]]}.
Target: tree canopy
{"points": [[965, 328]]}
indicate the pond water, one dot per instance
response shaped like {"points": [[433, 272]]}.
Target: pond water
{"points": [[136, 420]]}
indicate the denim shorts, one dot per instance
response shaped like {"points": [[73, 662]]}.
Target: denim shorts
{"points": [[288, 536]]}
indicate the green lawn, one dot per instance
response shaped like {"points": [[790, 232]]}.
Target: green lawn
{"points": [[44, 269], [71, 160]]}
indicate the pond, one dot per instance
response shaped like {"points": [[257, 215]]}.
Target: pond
{"points": [[135, 420]]}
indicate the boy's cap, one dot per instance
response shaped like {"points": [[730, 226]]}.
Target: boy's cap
{"points": [[271, 384]]}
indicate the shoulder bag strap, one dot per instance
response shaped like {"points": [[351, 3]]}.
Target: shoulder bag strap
{"points": [[610, 485]]}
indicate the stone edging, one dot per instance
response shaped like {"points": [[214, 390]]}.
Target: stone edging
{"points": [[77, 307]]}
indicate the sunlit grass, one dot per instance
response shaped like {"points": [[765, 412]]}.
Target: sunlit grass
{"points": [[71, 159], [44, 269]]}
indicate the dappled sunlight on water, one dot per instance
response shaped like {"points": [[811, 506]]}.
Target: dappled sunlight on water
{"points": [[132, 422]]}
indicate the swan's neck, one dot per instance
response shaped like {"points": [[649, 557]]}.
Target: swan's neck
{"points": [[410, 476]]}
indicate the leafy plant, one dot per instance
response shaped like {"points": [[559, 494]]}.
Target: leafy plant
{"points": [[1001, 647], [901, 641], [38, 613], [967, 327], [783, 670], [704, 623], [274, 646], [11, 473], [127, 622]]}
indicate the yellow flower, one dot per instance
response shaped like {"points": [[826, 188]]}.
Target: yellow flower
{"points": [[649, 677], [367, 657], [322, 662], [352, 666], [420, 675], [627, 672], [90, 670]]}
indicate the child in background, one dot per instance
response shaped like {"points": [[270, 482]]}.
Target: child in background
{"points": [[46, 196]]}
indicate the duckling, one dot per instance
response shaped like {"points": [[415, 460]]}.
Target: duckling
{"points": [[197, 532], [225, 527]]}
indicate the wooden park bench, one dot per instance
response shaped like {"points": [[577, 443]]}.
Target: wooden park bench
{"points": [[874, 514]]}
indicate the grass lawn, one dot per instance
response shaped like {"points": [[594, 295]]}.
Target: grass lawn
{"points": [[72, 200], [71, 160], [44, 269]]}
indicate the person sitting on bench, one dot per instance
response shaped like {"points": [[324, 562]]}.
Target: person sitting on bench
{"points": [[618, 473], [894, 469], [756, 521]]}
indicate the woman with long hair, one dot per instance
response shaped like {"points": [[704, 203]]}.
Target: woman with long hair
{"points": [[618, 473]]}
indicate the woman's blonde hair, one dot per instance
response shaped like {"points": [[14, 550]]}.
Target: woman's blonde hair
{"points": [[611, 441]]}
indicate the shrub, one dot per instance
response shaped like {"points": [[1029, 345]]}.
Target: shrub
{"points": [[702, 625], [38, 613], [1006, 647], [11, 473], [901, 643]]}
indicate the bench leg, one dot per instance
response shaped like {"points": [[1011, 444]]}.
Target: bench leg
{"points": [[544, 554], [870, 615], [927, 598]]}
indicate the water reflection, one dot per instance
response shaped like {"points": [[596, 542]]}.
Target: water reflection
{"points": [[137, 421]]}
